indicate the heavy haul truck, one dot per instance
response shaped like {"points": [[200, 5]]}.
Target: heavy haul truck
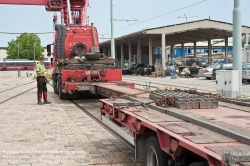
{"points": [[169, 127], [78, 65]]}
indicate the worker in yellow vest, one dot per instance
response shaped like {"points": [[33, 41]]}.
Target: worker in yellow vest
{"points": [[41, 83]]}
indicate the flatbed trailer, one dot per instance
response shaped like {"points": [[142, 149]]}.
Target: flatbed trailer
{"points": [[172, 136]]}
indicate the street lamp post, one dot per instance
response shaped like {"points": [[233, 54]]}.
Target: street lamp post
{"points": [[112, 30], [34, 56], [237, 31]]}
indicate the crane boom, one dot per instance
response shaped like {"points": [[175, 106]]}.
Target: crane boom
{"points": [[24, 2], [73, 12]]}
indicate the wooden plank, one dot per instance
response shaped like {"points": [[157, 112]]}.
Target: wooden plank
{"points": [[244, 163], [205, 133], [121, 89], [232, 153], [234, 134], [155, 117], [221, 150], [175, 128], [199, 139]]}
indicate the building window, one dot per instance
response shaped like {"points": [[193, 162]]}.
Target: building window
{"points": [[215, 50], [189, 51], [198, 51], [206, 51], [202, 51], [219, 50]]}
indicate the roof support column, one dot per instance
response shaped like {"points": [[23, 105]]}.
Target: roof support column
{"points": [[182, 50], [129, 54], [139, 52], [226, 49], [150, 50], [195, 51], [172, 53], [109, 52], [209, 52], [115, 52], [172, 50], [122, 57], [163, 45], [246, 38]]}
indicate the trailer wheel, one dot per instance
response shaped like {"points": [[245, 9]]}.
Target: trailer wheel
{"points": [[154, 156], [55, 84], [4, 69], [200, 163], [61, 95], [93, 56], [79, 49], [59, 85]]}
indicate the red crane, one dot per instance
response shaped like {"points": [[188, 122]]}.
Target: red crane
{"points": [[77, 8], [75, 38]]}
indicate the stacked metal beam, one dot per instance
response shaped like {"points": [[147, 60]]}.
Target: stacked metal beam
{"points": [[184, 100]]}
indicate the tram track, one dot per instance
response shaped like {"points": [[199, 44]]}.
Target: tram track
{"points": [[16, 95], [130, 146], [104, 126], [17, 86]]}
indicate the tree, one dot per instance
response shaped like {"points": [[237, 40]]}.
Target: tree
{"points": [[244, 41], [25, 44]]}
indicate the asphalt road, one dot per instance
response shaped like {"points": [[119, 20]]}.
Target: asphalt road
{"points": [[201, 84]]}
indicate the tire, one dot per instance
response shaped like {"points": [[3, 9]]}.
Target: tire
{"points": [[93, 56], [79, 49], [55, 84], [4, 69], [200, 163], [59, 85], [61, 95], [25, 68], [71, 55], [208, 78], [153, 155]]}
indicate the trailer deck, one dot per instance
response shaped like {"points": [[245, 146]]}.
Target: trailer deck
{"points": [[221, 136]]}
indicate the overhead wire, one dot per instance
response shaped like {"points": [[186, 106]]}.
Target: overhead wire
{"points": [[162, 15], [124, 11], [26, 32]]}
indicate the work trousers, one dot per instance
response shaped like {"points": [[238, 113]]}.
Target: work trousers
{"points": [[41, 88]]}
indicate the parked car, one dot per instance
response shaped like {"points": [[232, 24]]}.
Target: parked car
{"points": [[207, 72], [218, 61], [246, 72], [222, 60], [222, 66], [203, 62]]}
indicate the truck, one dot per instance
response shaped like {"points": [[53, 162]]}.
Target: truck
{"points": [[78, 64], [180, 126]]}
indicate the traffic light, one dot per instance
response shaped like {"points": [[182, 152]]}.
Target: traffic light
{"points": [[19, 73], [49, 50]]}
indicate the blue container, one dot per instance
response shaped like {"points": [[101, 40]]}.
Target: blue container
{"points": [[125, 72]]}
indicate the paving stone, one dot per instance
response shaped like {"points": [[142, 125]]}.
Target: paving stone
{"points": [[53, 134]]}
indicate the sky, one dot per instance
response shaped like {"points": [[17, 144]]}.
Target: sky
{"points": [[149, 13]]}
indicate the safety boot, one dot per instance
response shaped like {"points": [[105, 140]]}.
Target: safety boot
{"points": [[46, 102], [40, 102]]}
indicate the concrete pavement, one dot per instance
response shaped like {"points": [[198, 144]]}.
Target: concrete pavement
{"points": [[54, 134]]}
